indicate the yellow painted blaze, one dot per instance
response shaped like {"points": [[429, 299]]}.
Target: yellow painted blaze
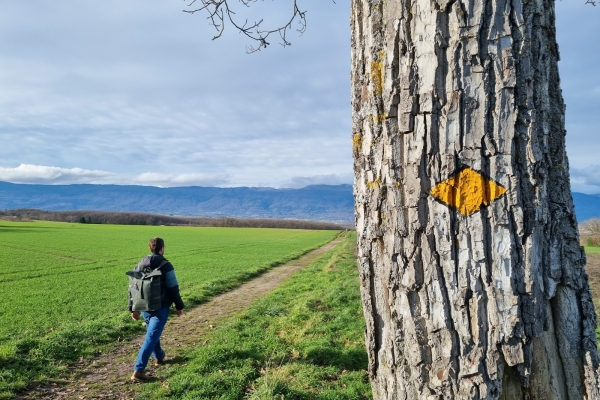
{"points": [[467, 191]]}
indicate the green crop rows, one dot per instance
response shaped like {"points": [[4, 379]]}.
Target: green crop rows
{"points": [[64, 287]]}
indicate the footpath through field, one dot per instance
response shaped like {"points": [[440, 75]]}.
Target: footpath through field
{"points": [[107, 377]]}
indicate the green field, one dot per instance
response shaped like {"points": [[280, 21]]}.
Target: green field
{"points": [[592, 249], [64, 287]]}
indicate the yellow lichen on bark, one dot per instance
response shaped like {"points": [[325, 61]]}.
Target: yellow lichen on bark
{"points": [[378, 118], [377, 77], [375, 183], [356, 142]]}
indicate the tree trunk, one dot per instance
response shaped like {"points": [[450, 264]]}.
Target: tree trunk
{"points": [[473, 280]]}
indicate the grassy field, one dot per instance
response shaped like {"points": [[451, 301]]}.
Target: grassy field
{"points": [[64, 287], [303, 341], [592, 250]]}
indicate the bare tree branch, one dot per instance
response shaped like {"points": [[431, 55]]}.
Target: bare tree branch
{"points": [[219, 12], [590, 227]]}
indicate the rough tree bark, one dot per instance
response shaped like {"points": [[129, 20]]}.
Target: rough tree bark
{"points": [[473, 279]]}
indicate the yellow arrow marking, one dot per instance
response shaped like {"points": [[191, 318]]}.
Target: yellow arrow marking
{"points": [[468, 191]]}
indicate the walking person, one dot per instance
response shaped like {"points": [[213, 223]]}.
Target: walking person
{"points": [[156, 320]]}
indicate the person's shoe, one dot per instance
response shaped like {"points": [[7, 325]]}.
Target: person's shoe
{"points": [[139, 376], [160, 362]]}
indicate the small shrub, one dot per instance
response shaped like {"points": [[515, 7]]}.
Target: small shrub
{"points": [[591, 240]]}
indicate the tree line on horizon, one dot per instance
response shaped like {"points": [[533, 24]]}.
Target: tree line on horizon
{"points": [[134, 218]]}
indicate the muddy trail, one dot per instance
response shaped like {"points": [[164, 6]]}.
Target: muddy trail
{"points": [[107, 376]]}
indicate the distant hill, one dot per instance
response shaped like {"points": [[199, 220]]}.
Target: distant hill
{"points": [[586, 206], [316, 203], [332, 203]]}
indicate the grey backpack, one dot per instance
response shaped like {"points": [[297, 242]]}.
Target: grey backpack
{"points": [[146, 288]]}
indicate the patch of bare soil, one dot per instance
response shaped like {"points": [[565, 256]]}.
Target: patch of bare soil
{"points": [[107, 377]]}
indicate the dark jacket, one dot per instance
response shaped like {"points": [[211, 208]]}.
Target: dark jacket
{"points": [[170, 284]]}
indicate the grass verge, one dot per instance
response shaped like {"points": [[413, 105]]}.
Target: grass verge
{"points": [[302, 341]]}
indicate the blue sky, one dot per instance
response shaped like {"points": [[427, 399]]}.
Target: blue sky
{"points": [[136, 92]]}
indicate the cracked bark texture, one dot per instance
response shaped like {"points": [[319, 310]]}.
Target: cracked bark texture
{"points": [[490, 305]]}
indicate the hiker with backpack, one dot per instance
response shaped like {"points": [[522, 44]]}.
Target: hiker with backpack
{"points": [[153, 287]]}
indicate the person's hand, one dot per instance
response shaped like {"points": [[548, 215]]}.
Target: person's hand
{"points": [[179, 312], [135, 315]]}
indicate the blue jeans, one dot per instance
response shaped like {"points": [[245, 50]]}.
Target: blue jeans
{"points": [[155, 323]]}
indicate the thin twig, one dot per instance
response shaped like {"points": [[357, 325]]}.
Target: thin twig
{"points": [[219, 12]]}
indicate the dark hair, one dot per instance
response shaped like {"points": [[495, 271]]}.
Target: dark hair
{"points": [[156, 245]]}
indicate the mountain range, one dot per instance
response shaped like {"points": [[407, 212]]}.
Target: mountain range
{"points": [[333, 203]]}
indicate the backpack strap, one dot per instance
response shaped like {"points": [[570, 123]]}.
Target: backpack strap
{"points": [[162, 264]]}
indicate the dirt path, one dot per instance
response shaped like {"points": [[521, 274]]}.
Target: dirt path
{"points": [[107, 377]]}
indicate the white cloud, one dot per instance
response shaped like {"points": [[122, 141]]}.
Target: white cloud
{"points": [[333, 179], [27, 173], [135, 88], [40, 174], [586, 180], [165, 180], [577, 30]]}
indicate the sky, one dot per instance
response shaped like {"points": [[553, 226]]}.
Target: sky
{"points": [[137, 92]]}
